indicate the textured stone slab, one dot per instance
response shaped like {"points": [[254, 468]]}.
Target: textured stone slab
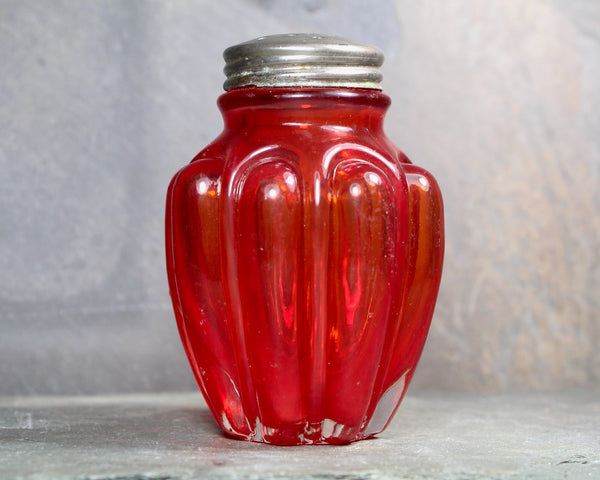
{"points": [[172, 436]]}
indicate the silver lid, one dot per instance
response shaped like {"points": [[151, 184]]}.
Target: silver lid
{"points": [[302, 59]]}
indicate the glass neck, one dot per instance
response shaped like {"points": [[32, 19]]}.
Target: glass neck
{"points": [[315, 106]]}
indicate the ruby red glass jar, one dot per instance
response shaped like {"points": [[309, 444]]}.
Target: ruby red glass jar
{"points": [[304, 250]]}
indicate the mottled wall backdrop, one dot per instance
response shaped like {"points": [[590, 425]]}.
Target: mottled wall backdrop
{"points": [[101, 102]]}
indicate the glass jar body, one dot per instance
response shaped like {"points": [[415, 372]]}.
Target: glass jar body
{"points": [[304, 254]]}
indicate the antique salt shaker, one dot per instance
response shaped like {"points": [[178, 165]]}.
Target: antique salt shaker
{"points": [[304, 249]]}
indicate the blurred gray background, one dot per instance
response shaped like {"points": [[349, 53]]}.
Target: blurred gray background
{"points": [[101, 102]]}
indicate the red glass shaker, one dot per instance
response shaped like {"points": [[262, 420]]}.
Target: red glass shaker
{"points": [[304, 250]]}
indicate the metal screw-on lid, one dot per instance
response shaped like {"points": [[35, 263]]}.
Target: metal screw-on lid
{"points": [[302, 59]]}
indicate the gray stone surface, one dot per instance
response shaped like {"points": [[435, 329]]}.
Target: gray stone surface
{"points": [[101, 102], [433, 436]]}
